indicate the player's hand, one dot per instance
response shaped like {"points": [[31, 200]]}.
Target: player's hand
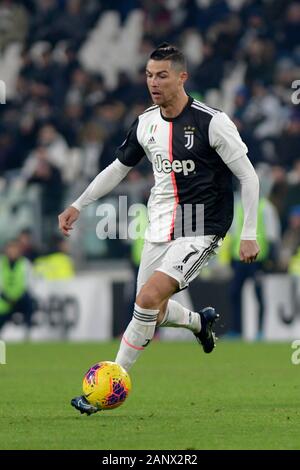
{"points": [[66, 219], [249, 250]]}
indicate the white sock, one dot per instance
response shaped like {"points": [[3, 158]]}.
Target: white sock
{"points": [[137, 336], [178, 316]]}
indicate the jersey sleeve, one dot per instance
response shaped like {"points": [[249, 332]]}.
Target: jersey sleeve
{"points": [[225, 138], [244, 171], [131, 152]]}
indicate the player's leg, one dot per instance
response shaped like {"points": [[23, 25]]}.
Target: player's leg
{"points": [[176, 315], [183, 261], [150, 302], [151, 258]]}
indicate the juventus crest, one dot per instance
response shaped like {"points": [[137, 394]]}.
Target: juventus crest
{"points": [[189, 136]]}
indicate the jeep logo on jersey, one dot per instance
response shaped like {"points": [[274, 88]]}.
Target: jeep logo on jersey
{"points": [[178, 166], [189, 135]]}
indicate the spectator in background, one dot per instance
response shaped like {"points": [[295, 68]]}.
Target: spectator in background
{"points": [[157, 20], [293, 190], [291, 27], [289, 143], [13, 22], [96, 93], [263, 112], [294, 264], [241, 100], [43, 67], [51, 148], [209, 73], [226, 35], [291, 242], [92, 141], [72, 23], [15, 295], [71, 123], [46, 14], [57, 264], [28, 246], [7, 152], [78, 87], [108, 116], [49, 178], [260, 64], [56, 146], [274, 186], [268, 230], [256, 26]]}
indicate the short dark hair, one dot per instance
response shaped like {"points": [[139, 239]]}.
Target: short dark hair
{"points": [[166, 51]]}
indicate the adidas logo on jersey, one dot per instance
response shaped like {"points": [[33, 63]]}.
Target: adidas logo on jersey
{"points": [[179, 268], [151, 141], [178, 166]]}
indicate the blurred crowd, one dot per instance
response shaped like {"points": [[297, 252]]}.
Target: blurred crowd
{"points": [[65, 115]]}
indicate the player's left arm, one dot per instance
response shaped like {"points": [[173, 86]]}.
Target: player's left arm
{"points": [[244, 171], [225, 139]]}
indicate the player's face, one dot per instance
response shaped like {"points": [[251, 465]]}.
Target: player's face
{"points": [[164, 81]]}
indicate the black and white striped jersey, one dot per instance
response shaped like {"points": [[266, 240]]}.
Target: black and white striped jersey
{"points": [[189, 155]]}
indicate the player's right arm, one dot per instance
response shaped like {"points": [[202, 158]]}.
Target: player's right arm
{"points": [[127, 156], [104, 182]]}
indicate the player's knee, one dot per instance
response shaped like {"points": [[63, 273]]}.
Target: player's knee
{"points": [[149, 297]]}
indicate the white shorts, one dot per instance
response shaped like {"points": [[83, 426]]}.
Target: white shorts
{"points": [[181, 259]]}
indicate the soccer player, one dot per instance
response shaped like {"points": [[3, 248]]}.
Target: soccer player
{"points": [[194, 149]]}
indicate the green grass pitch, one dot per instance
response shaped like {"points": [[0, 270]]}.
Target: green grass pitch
{"points": [[242, 396]]}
